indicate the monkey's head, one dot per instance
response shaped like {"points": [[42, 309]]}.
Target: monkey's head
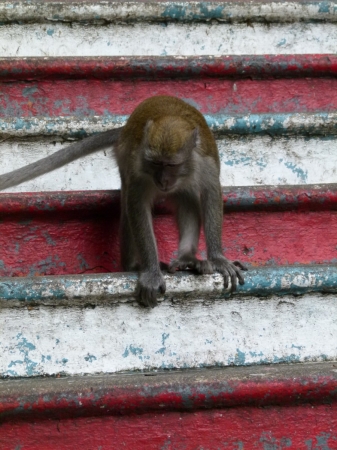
{"points": [[167, 150]]}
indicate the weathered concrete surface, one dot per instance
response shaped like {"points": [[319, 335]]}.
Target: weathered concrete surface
{"points": [[63, 233], [120, 287], [55, 96], [189, 329], [314, 123], [130, 11], [290, 406], [245, 161], [166, 67], [183, 390], [61, 39]]}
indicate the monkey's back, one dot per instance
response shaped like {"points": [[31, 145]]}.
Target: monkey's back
{"points": [[155, 108]]}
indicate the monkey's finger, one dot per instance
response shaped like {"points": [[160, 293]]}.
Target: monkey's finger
{"points": [[226, 278], [234, 280], [239, 276], [145, 297], [239, 264], [151, 297], [173, 266], [177, 265]]}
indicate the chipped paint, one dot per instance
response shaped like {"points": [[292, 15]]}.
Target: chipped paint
{"points": [[119, 287], [83, 229], [190, 391], [319, 123], [100, 339], [284, 325], [273, 408]]}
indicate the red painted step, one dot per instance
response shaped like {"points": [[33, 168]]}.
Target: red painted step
{"points": [[77, 232], [261, 407]]}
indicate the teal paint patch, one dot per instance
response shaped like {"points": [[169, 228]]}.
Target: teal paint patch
{"points": [[27, 92], [300, 173], [284, 280], [90, 358], [24, 347], [202, 11], [281, 43], [240, 358], [162, 350], [50, 32], [306, 124], [135, 351], [324, 7]]}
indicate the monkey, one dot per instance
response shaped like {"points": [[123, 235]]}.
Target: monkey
{"points": [[165, 150]]}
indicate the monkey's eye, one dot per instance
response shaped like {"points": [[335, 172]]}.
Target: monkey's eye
{"points": [[156, 163]]}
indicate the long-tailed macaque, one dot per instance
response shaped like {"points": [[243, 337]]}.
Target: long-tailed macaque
{"points": [[165, 150]]}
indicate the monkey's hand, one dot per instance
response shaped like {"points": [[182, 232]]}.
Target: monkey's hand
{"points": [[191, 262], [149, 284], [229, 269]]}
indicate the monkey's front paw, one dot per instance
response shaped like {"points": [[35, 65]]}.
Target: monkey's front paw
{"points": [[149, 284], [230, 270], [199, 266]]}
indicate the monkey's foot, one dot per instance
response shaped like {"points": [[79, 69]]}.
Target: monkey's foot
{"points": [[230, 270], [149, 284], [191, 262]]}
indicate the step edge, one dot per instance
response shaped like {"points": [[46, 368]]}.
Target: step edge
{"points": [[112, 11], [182, 390], [113, 288]]}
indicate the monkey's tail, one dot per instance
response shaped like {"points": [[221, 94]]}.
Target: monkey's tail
{"points": [[60, 158]]}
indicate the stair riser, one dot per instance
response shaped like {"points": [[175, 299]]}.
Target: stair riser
{"points": [[189, 334], [62, 39]]}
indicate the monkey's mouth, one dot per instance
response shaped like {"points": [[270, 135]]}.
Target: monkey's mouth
{"points": [[165, 187]]}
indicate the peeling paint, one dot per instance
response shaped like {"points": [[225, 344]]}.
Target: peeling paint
{"points": [[268, 333], [272, 124]]}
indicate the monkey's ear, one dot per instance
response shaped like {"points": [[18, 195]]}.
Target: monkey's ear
{"points": [[194, 140], [196, 137], [147, 127]]}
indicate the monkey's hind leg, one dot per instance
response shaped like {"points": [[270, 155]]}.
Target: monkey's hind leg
{"points": [[189, 224], [129, 254]]}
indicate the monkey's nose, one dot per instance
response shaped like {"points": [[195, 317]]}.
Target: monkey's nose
{"points": [[164, 185]]}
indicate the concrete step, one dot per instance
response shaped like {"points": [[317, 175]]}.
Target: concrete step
{"points": [[271, 129], [91, 324], [90, 28], [77, 232], [266, 407]]}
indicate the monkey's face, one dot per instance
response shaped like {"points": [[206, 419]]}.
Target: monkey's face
{"points": [[166, 176], [167, 151]]}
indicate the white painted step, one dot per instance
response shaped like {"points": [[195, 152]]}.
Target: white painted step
{"points": [[91, 324], [166, 28], [299, 150]]}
